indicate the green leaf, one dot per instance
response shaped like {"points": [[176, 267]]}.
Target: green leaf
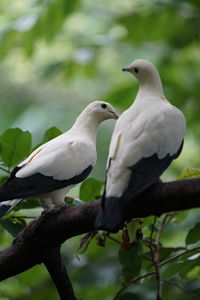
{"points": [[132, 228], [13, 226], [1, 236], [131, 260], [164, 253], [193, 235], [29, 204], [90, 189], [16, 145], [173, 269], [196, 3], [7, 39], [189, 255], [49, 134], [189, 173], [147, 221], [189, 265], [74, 201], [178, 217], [194, 273]]}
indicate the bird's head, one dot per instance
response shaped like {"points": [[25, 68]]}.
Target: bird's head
{"points": [[101, 110], [143, 70], [95, 113]]}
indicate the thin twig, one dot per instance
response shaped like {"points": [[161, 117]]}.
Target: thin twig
{"points": [[155, 253], [132, 282], [120, 291], [151, 243], [143, 276], [157, 263], [112, 238], [157, 257], [173, 248], [178, 255], [147, 258], [166, 216], [180, 287]]}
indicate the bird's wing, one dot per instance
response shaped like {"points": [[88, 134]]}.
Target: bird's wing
{"points": [[58, 165], [61, 160], [142, 148]]}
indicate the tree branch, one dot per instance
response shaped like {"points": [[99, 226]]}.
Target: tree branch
{"points": [[58, 272], [157, 257], [46, 233]]}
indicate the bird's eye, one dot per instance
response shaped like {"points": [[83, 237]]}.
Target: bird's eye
{"points": [[136, 70], [103, 105]]}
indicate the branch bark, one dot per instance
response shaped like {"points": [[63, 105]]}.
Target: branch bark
{"points": [[46, 233], [58, 272]]}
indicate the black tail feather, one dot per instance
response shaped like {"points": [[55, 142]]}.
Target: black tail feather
{"points": [[110, 216]]}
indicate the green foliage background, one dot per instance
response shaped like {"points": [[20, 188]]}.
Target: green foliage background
{"points": [[55, 57]]}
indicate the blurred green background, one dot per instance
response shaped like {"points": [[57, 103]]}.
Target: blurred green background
{"points": [[56, 56]]}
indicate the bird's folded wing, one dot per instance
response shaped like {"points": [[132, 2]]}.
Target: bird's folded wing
{"points": [[61, 162], [146, 172], [58, 167]]}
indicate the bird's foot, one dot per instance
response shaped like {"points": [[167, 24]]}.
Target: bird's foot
{"points": [[47, 211], [60, 207], [53, 210]]}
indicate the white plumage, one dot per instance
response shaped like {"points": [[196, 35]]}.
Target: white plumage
{"points": [[53, 168], [63, 157], [146, 138]]}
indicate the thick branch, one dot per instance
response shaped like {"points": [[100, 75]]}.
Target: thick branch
{"points": [[58, 272], [49, 231]]}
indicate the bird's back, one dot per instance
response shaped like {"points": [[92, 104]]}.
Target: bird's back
{"points": [[147, 127]]}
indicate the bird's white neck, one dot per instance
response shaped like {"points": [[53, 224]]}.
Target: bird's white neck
{"points": [[151, 87], [87, 124]]}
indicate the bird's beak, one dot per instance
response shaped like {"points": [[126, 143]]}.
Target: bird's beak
{"points": [[115, 115], [126, 69]]}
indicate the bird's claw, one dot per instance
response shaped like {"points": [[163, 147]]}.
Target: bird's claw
{"points": [[53, 210], [47, 211]]}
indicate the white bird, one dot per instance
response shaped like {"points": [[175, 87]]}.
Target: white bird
{"points": [[146, 138], [56, 166]]}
